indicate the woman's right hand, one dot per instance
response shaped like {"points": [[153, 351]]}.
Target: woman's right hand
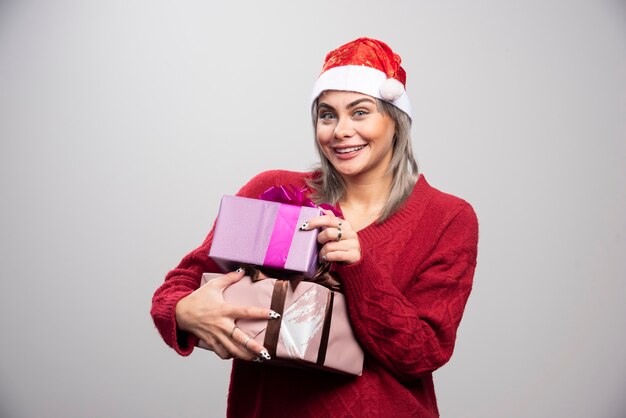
{"points": [[207, 315]]}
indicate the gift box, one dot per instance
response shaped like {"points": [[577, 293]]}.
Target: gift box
{"points": [[313, 331], [264, 233]]}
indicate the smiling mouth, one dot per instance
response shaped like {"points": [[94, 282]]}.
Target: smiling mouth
{"points": [[348, 150]]}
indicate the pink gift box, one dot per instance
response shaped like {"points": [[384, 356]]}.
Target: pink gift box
{"points": [[314, 330], [264, 233]]}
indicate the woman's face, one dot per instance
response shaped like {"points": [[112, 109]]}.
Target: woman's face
{"points": [[354, 135]]}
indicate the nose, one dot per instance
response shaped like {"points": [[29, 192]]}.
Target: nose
{"points": [[344, 129]]}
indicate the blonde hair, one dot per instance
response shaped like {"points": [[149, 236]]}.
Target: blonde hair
{"points": [[329, 187]]}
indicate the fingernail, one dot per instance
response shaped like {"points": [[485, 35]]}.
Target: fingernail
{"points": [[240, 269], [265, 355], [257, 360], [304, 226], [274, 315]]}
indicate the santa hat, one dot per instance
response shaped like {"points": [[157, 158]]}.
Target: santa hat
{"points": [[365, 66]]}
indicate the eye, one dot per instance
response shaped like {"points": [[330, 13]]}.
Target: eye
{"points": [[360, 112], [327, 116]]}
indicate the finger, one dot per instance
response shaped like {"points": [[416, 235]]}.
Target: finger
{"points": [[335, 222], [222, 352], [326, 221], [350, 256], [236, 349], [331, 234], [243, 346], [251, 312], [229, 278], [316, 222], [329, 213], [253, 347], [216, 347], [224, 346], [234, 343], [331, 246], [328, 235]]}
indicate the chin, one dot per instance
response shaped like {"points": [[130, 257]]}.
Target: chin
{"points": [[349, 172]]}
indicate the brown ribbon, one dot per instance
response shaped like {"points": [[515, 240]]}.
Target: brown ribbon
{"points": [[277, 305], [328, 316]]}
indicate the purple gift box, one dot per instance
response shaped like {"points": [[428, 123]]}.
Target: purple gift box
{"points": [[313, 331], [264, 233]]}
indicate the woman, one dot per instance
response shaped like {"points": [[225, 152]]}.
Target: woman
{"points": [[404, 251]]}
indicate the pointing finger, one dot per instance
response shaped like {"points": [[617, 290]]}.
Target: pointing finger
{"points": [[324, 221], [252, 312]]}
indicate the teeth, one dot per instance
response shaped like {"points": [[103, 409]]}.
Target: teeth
{"points": [[347, 150]]}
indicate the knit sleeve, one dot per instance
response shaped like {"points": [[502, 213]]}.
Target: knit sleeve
{"points": [[185, 278], [413, 332]]}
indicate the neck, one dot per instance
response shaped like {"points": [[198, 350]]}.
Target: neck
{"points": [[367, 193]]}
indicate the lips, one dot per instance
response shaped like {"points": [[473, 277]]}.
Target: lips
{"points": [[349, 150]]}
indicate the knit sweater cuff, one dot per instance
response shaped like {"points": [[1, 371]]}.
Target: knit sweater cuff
{"points": [[165, 320]]}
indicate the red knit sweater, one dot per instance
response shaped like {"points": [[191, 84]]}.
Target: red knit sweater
{"points": [[405, 298]]}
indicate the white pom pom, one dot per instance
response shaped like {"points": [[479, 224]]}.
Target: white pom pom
{"points": [[391, 89]]}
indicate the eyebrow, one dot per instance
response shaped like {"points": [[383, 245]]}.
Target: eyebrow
{"points": [[359, 101], [350, 105]]}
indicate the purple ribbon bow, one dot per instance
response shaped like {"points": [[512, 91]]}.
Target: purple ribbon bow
{"points": [[290, 195]]}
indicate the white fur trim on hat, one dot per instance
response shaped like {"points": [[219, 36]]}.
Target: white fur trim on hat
{"points": [[391, 89], [366, 80]]}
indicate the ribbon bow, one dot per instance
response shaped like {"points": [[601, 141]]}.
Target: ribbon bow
{"points": [[292, 196], [323, 276]]}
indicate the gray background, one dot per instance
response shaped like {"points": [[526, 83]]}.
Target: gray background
{"points": [[123, 122]]}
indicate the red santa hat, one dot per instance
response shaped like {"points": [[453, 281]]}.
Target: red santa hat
{"points": [[365, 66]]}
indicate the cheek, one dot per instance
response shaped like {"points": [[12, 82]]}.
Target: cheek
{"points": [[323, 143], [385, 135], [381, 130], [323, 135]]}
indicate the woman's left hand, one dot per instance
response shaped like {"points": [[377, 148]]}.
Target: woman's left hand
{"points": [[340, 243]]}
